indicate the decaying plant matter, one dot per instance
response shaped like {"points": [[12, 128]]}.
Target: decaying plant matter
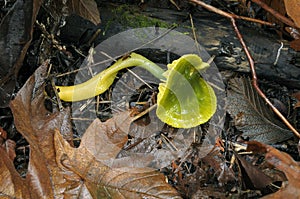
{"points": [[251, 62], [120, 155]]}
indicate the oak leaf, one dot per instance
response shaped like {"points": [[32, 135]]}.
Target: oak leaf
{"points": [[292, 9], [37, 125], [103, 181], [283, 162], [57, 170]]}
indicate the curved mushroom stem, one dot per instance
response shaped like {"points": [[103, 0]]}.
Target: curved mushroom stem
{"points": [[102, 81]]}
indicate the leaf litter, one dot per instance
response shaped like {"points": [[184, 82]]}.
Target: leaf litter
{"points": [[56, 169], [251, 114], [15, 38], [87, 9], [291, 7], [283, 162]]}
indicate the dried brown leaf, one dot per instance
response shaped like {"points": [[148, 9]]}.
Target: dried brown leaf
{"points": [[15, 37], [251, 114], [56, 170], [292, 9], [297, 97], [99, 177], [86, 9], [216, 161], [295, 44], [255, 177], [10, 147], [7, 144], [3, 135], [286, 164], [37, 125], [105, 140], [11, 184]]}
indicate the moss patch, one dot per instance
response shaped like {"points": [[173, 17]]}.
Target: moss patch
{"points": [[130, 16]]}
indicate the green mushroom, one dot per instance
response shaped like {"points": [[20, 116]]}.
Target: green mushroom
{"points": [[184, 100]]}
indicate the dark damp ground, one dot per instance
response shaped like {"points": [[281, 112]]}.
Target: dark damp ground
{"points": [[197, 174]]}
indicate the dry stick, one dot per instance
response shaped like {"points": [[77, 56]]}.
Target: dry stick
{"points": [[252, 20], [251, 62], [141, 114], [266, 23], [194, 34], [231, 15], [275, 13]]}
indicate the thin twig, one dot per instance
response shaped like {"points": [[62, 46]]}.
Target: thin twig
{"points": [[90, 61], [251, 62], [275, 13], [255, 84], [93, 38], [172, 147], [253, 20], [116, 57], [194, 34], [174, 3], [60, 106], [144, 112], [139, 78]]}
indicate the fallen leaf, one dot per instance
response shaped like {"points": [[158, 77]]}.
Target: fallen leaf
{"points": [[37, 125], [85, 8], [15, 36], [252, 176], [105, 140], [89, 162], [57, 170], [297, 97], [292, 9], [10, 146], [251, 114], [11, 184], [295, 44], [106, 182], [286, 164], [216, 161]]}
